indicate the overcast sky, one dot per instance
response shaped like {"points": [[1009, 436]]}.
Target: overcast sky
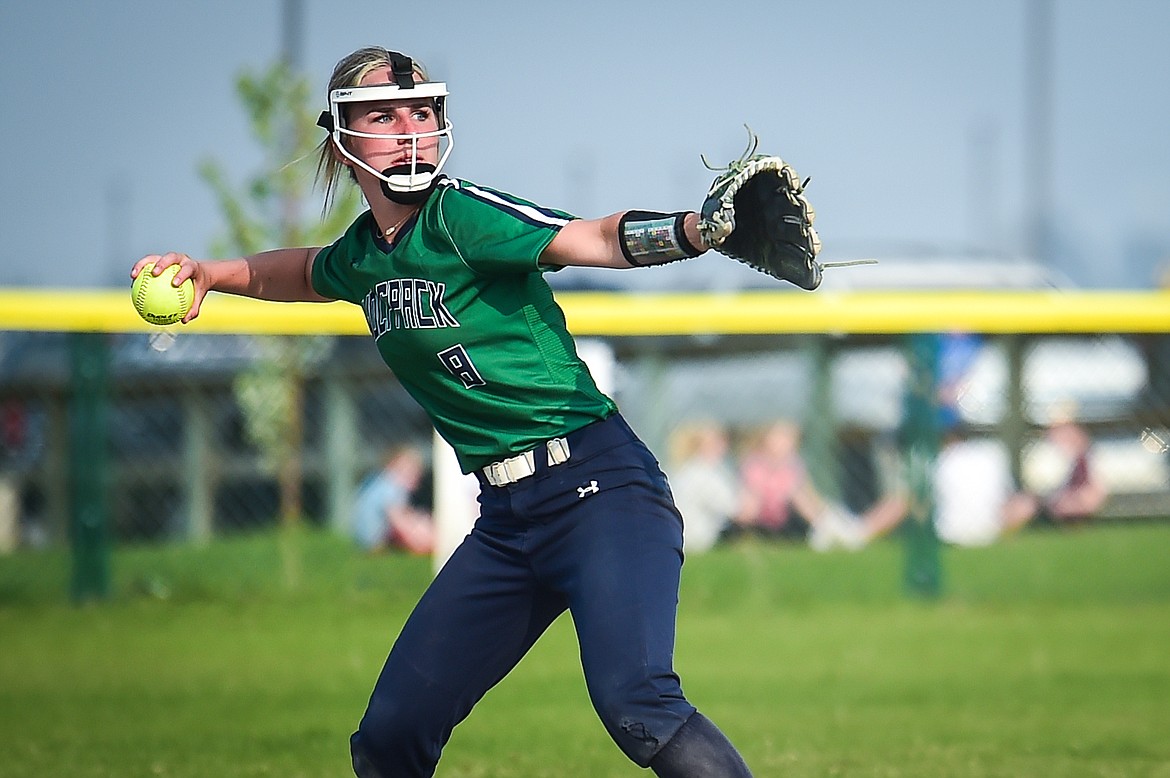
{"points": [[909, 115]]}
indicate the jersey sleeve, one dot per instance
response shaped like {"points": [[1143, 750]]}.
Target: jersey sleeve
{"points": [[328, 277], [494, 232]]}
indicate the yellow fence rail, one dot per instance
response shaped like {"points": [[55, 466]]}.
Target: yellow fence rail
{"points": [[618, 314]]}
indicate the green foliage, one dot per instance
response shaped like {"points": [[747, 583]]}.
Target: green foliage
{"points": [[1045, 656], [265, 214], [269, 394]]}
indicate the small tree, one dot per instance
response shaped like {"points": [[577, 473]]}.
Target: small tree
{"points": [[265, 213]]}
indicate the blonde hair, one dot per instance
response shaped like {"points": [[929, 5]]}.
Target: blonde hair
{"points": [[689, 439], [347, 73]]}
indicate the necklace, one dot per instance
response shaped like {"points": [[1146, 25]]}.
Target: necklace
{"points": [[385, 234]]}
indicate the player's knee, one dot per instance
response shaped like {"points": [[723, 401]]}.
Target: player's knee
{"points": [[640, 720]]}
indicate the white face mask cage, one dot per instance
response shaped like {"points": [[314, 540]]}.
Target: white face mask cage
{"points": [[415, 180]]}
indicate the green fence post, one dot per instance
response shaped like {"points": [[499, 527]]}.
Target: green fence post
{"points": [[819, 425], [88, 462], [920, 446]]}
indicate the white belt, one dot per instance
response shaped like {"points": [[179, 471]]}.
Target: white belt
{"points": [[511, 470]]}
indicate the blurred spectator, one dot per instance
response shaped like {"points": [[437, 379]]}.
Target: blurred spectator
{"points": [[972, 486], [781, 500], [975, 502], [385, 513], [957, 354], [22, 444], [1078, 494], [776, 485], [704, 484]]}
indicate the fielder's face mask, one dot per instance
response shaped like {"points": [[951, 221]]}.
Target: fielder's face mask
{"points": [[407, 183]]}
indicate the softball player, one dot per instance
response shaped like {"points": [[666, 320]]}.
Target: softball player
{"points": [[574, 511]]}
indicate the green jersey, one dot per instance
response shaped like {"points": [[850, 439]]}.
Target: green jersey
{"points": [[460, 311]]}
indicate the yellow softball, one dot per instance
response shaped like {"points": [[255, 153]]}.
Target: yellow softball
{"points": [[157, 299]]}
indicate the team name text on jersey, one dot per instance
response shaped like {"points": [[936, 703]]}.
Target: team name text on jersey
{"points": [[406, 304]]}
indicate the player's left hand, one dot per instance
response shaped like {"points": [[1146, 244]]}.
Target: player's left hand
{"points": [[756, 212]]}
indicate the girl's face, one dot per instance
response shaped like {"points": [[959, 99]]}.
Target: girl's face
{"points": [[392, 117], [782, 441]]}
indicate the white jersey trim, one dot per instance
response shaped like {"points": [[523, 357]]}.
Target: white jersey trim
{"points": [[528, 213]]}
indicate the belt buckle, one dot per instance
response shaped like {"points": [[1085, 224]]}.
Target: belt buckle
{"points": [[558, 451], [511, 470], [497, 473]]}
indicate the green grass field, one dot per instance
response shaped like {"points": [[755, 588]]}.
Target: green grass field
{"points": [[1048, 655]]}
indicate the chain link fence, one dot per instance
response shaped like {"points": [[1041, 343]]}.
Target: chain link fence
{"points": [[204, 436]]}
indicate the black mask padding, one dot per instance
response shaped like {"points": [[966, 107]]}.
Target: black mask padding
{"points": [[409, 198], [402, 67]]}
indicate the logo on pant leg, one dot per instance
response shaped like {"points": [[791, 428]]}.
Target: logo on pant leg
{"points": [[585, 491]]}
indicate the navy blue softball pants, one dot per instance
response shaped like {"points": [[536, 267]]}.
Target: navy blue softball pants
{"points": [[598, 535]]}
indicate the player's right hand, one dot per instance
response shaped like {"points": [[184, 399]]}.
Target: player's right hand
{"points": [[188, 268]]}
